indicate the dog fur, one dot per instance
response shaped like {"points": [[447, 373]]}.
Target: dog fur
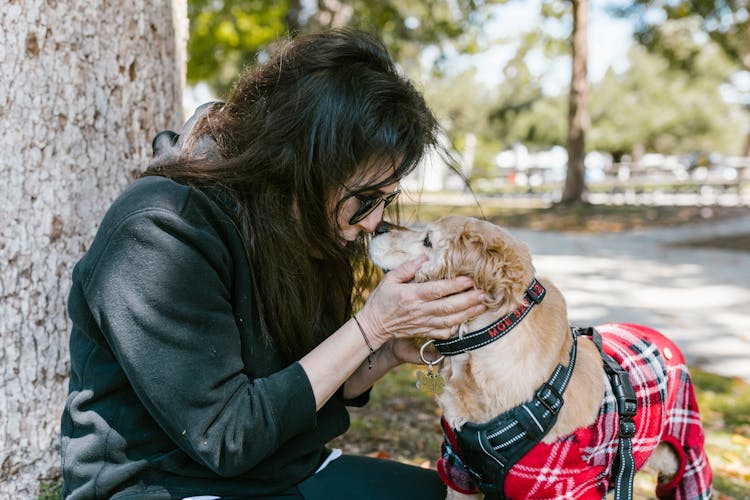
{"points": [[501, 265]]}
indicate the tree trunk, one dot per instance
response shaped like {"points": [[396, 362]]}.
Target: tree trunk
{"points": [[745, 58], [294, 17], [333, 13], [746, 150], [578, 116], [84, 85]]}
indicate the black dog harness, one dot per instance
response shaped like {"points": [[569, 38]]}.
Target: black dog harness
{"points": [[627, 406], [487, 451]]}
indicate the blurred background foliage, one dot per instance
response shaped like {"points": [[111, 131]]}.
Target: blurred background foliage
{"points": [[680, 91], [226, 35]]}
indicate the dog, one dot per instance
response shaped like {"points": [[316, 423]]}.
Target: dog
{"points": [[525, 341]]}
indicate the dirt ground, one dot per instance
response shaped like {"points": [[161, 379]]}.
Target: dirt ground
{"points": [[610, 218], [595, 218]]}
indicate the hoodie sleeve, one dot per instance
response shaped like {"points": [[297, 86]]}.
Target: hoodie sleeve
{"points": [[160, 292]]}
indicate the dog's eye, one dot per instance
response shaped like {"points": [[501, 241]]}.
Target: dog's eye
{"points": [[427, 242]]}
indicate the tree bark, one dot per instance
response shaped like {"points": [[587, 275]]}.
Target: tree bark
{"points": [[578, 116], [84, 85]]}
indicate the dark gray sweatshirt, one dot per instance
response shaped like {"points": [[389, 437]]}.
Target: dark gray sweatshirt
{"points": [[173, 391]]}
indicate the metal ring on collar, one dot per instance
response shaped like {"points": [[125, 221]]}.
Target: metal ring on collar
{"points": [[421, 354]]}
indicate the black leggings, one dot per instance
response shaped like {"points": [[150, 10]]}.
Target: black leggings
{"points": [[352, 477]]}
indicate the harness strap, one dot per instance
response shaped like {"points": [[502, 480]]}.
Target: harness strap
{"points": [[627, 405], [489, 450], [474, 340]]}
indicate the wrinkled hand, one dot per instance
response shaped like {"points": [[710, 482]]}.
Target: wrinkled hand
{"points": [[406, 350], [402, 350], [398, 308]]}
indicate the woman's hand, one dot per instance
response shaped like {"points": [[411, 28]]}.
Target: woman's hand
{"points": [[406, 350], [399, 309], [401, 350]]}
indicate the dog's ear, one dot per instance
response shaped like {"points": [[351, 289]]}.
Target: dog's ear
{"points": [[498, 263]]}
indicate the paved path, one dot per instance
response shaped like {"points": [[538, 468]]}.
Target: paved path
{"points": [[700, 298]]}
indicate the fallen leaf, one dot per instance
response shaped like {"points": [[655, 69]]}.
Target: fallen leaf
{"points": [[731, 457], [741, 440]]}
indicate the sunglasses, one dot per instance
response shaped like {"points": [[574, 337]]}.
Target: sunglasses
{"points": [[368, 204]]}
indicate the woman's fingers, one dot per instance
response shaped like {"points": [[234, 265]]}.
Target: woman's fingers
{"points": [[406, 271], [397, 308], [452, 304], [405, 350], [429, 290], [443, 326], [433, 290], [439, 318]]}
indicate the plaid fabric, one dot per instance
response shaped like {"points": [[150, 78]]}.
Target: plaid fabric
{"points": [[579, 466]]}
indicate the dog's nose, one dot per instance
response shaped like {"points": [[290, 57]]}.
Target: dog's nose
{"points": [[383, 227]]}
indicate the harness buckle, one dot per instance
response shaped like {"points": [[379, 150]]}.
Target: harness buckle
{"points": [[627, 403], [627, 427], [490, 489], [548, 396]]}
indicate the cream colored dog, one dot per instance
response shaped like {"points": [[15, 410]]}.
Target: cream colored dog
{"points": [[484, 383]]}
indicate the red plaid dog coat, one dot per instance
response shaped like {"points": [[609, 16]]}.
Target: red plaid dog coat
{"points": [[579, 466]]}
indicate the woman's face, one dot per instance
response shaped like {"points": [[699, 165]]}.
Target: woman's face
{"points": [[363, 212]]}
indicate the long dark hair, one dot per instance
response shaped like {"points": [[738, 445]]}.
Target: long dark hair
{"points": [[324, 109]]}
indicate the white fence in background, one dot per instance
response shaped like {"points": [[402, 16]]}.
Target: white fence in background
{"points": [[723, 182], [654, 179]]}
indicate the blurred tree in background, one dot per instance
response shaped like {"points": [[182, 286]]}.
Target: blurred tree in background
{"points": [[578, 104], [522, 113], [680, 31], [725, 22], [651, 106], [460, 102], [670, 97], [655, 107], [226, 35]]}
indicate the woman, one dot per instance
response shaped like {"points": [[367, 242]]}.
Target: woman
{"points": [[213, 348]]}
